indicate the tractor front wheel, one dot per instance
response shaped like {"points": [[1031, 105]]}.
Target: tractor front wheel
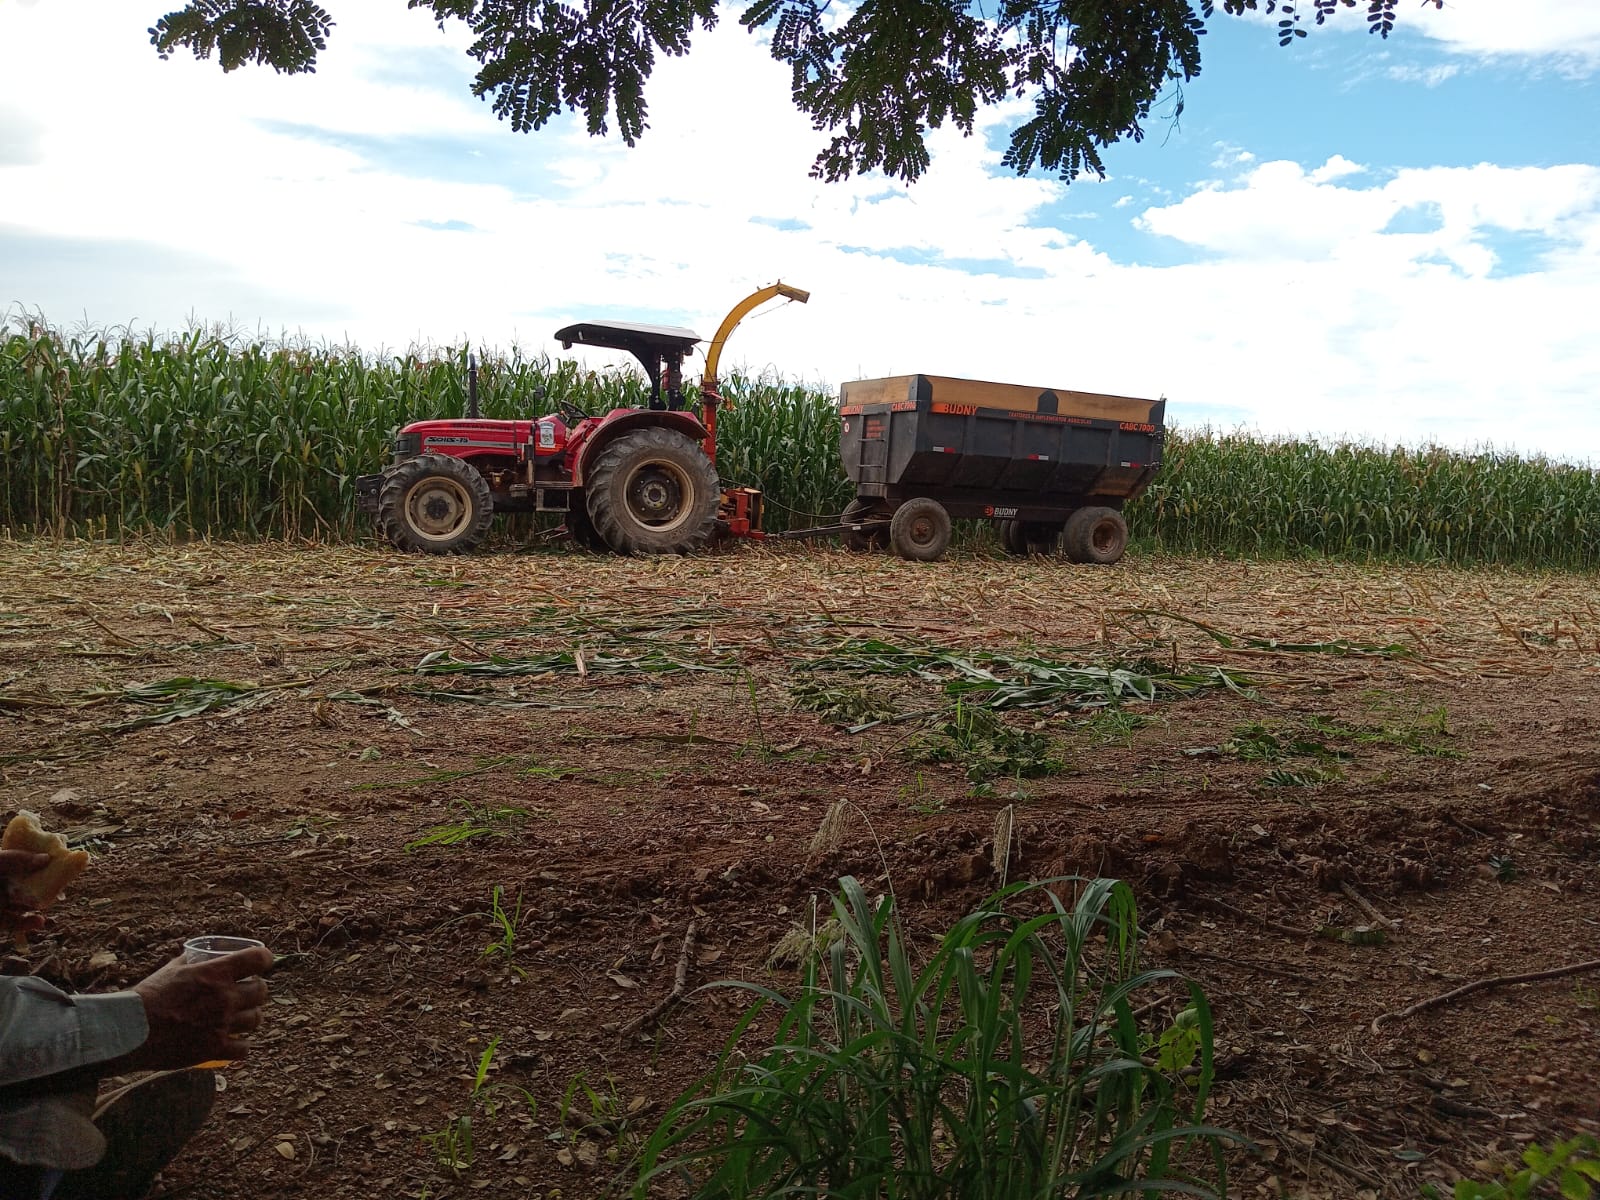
{"points": [[653, 491], [434, 504], [920, 530]]}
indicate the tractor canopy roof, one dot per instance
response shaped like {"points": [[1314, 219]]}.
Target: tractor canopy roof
{"points": [[657, 340]]}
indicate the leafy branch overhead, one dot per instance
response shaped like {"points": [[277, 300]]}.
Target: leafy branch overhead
{"points": [[875, 77]]}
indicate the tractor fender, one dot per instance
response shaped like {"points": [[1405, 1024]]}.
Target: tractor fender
{"points": [[614, 427]]}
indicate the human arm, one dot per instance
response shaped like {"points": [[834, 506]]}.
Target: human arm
{"points": [[14, 913], [47, 1034]]}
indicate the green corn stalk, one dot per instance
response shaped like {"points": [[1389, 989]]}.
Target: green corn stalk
{"points": [[211, 434]]}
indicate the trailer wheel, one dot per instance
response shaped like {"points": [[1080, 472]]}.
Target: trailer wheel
{"points": [[653, 491], [434, 504], [920, 530], [1030, 537], [864, 541], [1096, 535], [1011, 538], [1041, 539]]}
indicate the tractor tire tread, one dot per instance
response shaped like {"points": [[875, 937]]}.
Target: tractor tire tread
{"points": [[400, 479], [631, 538]]}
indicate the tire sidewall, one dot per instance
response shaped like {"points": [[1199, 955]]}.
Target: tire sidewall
{"points": [[401, 482], [606, 493], [901, 527], [1080, 536]]}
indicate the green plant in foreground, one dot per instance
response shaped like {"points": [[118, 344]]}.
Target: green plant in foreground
{"points": [[1008, 1066], [1305, 777], [452, 1146], [1504, 867], [855, 707], [1569, 1169], [981, 741], [477, 820], [505, 925]]}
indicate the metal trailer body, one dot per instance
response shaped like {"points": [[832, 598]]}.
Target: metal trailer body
{"points": [[1030, 456]]}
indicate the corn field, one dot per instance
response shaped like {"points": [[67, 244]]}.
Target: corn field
{"points": [[212, 435]]}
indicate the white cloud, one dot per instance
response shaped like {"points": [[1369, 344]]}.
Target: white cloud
{"points": [[1427, 76], [1337, 167], [1374, 310], [1563, 32], [1567, 31], [1231, 156]]}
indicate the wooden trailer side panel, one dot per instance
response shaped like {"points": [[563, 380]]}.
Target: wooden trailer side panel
{"points": [[1008, 397]]}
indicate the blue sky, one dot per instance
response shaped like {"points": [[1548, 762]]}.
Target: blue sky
{"points": [[1386, 241]]}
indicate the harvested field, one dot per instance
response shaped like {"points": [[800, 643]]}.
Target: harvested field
{"points": [[1338, 791]]}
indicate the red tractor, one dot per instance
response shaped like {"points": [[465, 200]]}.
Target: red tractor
{"points": [[635, 480]]}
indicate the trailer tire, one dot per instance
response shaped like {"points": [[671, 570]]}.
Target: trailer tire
{"points": [[1023, 538], [1041, 539], [863, 542], [1095, 535], [1011, 538], [434, 504], [920, 530], [653, 491]]}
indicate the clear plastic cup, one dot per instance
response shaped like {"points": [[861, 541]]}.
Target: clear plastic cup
{"points": [[203, 949]]}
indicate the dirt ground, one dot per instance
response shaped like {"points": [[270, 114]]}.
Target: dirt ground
{"points": [[1409, 761]]}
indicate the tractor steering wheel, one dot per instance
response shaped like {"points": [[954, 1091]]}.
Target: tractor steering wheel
{"points": [[571, 412]]}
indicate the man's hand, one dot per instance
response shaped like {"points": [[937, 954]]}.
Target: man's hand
{"points": [[15, 864], [199, 1012]]}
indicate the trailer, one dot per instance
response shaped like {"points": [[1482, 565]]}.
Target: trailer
{"points": [[1052, 466]]}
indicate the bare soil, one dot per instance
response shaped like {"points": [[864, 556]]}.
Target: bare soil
{"points": [[1455, 794]]}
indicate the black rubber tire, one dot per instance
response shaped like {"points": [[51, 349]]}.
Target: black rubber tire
{"points": [[862, 542], [434, 504], [920, 530], [653, 491], [1040, 538], [1095, 535], [1011, 538], [581, 529]]}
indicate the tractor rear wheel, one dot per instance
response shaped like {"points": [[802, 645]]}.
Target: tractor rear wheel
{"points": [[653, 491], [1095, 535], [862, 541], [920, 530], [434, 504]]}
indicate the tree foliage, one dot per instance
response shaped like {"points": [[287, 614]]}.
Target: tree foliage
{"points": [[876, 77]]}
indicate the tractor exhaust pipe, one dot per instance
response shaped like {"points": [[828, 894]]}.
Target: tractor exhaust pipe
{"points": [[472, 386]]}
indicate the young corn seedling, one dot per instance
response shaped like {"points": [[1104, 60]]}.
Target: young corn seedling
{"points": [[1007, 1064], [505, 925]]}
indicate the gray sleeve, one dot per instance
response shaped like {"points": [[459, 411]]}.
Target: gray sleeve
{"points": [[44, 1031]]}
